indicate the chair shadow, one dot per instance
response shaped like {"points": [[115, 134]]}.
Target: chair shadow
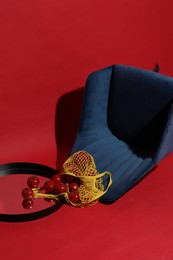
{"points": [[67, 117]]}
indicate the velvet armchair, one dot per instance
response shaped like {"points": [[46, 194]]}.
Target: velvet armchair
{"points": [[126, 124]]}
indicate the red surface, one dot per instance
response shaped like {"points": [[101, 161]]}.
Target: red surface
{"points": [[47, 49]]}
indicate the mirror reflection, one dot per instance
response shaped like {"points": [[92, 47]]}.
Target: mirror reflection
{"points": [[11, 199]]}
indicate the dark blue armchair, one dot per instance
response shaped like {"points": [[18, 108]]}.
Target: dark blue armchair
{"points": [[126, 124]]}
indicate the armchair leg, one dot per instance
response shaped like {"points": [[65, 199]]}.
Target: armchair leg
{"points": [[156, 67]]}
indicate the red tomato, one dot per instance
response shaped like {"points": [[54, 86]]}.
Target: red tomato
{"points": [[51, 200], [68, 178], [27, 193], [74, 196], [57, 178], [60, 188], [48, 186], [73, 186], [33, 181], [28, 203]]}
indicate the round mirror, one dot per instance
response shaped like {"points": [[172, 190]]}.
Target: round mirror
{"points": [[13, 180]]}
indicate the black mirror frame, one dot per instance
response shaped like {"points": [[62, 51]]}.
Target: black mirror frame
{"points": [[28, 168]]}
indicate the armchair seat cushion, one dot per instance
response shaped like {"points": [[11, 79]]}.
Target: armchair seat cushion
{"points": [[119, 158]]}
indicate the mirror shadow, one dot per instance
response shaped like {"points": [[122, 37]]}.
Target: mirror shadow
{"points": [[13, 176], [67, 118]]}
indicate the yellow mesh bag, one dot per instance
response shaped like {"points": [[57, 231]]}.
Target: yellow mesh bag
{"points": [[81, 165]]}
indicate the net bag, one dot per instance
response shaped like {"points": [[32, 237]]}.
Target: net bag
{"points": [[81, 165], [81, 168]]}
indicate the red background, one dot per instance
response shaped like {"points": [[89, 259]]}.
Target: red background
{"points": [[47, 49]]}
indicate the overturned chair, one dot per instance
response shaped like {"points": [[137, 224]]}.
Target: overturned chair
{"points": [[126, 124]]}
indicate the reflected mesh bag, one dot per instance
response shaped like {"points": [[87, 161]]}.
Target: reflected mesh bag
{"points": [[81, 165]]}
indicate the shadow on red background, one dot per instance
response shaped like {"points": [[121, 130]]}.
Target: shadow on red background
{"points": [[66, 123]]}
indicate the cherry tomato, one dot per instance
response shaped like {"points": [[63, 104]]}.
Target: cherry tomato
{"points": [[60, 188], [49, 186], [27, 193], [74, 196], [50, 200], [33, 181], [68, 178], [28, 203], [73, 186], [57, 178]]}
